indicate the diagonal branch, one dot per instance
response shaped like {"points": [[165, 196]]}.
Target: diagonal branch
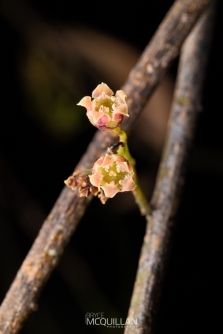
{"points": [[165, 200], [68, 210]]}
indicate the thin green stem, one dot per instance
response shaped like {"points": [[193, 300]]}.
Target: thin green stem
{"points": [[124, 152], [140, 198], [86, 171]]}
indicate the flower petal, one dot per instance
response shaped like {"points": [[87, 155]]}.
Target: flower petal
{"points": [[108, 160], [103, 123], [128, 184], [98, 163], [95, 179], [86, 102], [100, 89], [121, 95], [122, 167], [96, 116], [120, 109], [110, 191]]}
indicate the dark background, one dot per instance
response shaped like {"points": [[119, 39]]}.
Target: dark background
{"points": [[42, 137]]}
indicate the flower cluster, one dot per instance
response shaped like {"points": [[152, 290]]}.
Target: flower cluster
{"points": [[105, 111], [111, 173]]}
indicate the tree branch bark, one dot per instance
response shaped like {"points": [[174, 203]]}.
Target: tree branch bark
{"points": [[62, 221], [171, 176]]}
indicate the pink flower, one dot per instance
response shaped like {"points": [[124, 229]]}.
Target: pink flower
{"points": [[105, 111], [112, 174]]}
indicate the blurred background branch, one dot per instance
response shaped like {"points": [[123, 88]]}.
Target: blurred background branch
{"points": [[171, 175]]}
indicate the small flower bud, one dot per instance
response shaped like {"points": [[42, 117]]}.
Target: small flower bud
{"points": [[105, 111], [112, 174], [72, 180], [102, 197], [81, 181]]}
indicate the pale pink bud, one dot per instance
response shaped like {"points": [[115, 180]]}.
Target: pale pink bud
{"points": [[112, 173], [105, 111]]}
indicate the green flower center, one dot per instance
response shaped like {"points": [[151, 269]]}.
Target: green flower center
{"points": [[111, 174], [107, 103]]}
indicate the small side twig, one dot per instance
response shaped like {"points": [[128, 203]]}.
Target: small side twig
{"points": [[44, 255], [165, 200]]}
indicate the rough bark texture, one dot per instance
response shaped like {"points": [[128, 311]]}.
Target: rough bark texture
{"points": [[21, 298], [165, 200], [159, 54]]}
